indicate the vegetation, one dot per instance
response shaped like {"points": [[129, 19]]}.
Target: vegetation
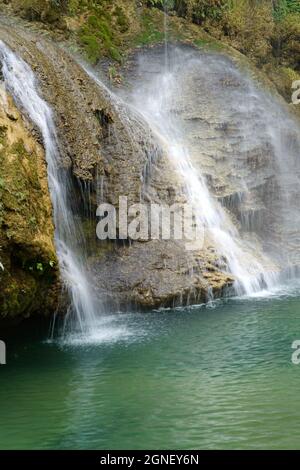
{"points": [[97, 38], [150, 33], [42, 10], [266, 31], [258, 28], [27, 257]]}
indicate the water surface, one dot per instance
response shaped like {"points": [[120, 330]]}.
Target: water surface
{"points": [[192, 378]]}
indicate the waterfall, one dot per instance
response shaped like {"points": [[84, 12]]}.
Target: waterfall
{"points": [[152, 103], [20, 82], [151, 117], [155, 101]]}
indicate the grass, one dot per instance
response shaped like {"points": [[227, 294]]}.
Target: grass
{"points": [[211, 45]]}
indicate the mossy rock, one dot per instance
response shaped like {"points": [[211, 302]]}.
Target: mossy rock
{"points": [[28, 270]]}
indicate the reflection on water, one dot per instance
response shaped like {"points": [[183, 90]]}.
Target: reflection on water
{"points": [[201, 377]]}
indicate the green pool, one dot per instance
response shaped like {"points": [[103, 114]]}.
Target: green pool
{"points": [[218, 377]]}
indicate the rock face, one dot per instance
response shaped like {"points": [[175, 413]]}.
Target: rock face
{"points": [[110, 152], [241, 138], [28, 269], [158, 273]]}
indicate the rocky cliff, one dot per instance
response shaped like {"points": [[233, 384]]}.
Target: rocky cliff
{"points": [[104, 145], [28, 269], [109, 152]]}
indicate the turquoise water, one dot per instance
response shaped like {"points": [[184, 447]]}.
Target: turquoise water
{"points": [[212, 378]]}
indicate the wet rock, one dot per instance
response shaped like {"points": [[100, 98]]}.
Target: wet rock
{"points": [[110, 152], [156, 274]]}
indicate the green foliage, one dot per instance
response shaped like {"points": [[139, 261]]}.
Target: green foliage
{"points": [[281, 8], [21, 196], [19, 149], [210, 45], [150, 34], [122, 20], [201, 10], [91, 46], [39, 267], [287, 40], [167, 4], [249, 26], [76, 6], [208, 9], [155, 3], [96, 35], [33, 222], [3, 130], [44, 10]]}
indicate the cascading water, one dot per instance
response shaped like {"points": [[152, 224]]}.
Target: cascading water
{"points": [[155, 101], [20, 82], [155, 110]]}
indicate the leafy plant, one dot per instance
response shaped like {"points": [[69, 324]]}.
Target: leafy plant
{"points": [[39, 267]]}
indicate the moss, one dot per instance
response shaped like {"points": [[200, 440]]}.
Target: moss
{"points": [[150, 33], [283, 77], [122, 20], [97, 38], [26, 229], [48, 11], [91, 46], [209, 44], [3, 132], [18, 296], [18, 148]]}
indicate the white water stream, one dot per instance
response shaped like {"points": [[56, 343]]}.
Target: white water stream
{"points": [[20, 82], [156, 103]]}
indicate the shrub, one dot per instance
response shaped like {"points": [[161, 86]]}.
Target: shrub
{"points": [[287, 39], [43, 10], [249, 25]]}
